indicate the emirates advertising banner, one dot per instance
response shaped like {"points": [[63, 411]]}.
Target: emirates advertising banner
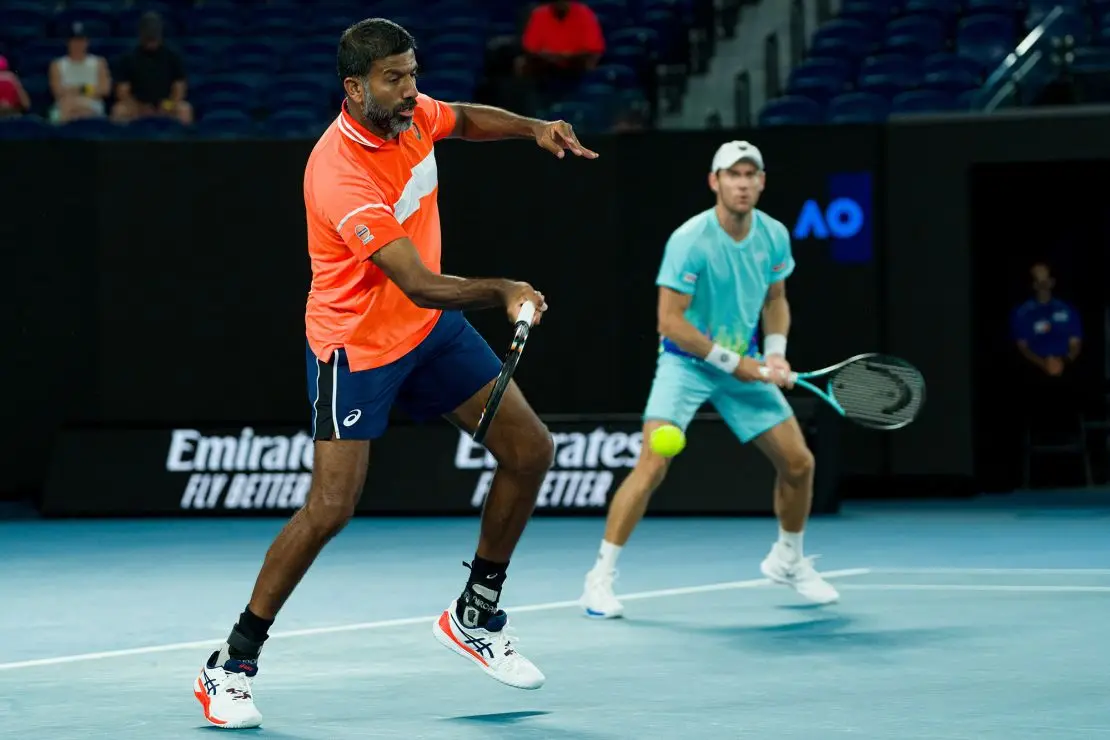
{"points": [[429, 469]]}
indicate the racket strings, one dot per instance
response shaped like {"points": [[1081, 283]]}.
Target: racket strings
{"points": [[879, 392]]}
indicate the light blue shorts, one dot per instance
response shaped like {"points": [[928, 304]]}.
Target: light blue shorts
{"points": [[683, 384]]}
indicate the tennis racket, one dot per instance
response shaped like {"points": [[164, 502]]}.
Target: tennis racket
{"points": [[508, 367], [873, 390]]}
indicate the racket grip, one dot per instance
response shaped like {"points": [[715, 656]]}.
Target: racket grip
{"points": [[527, 313], [766, 372]]}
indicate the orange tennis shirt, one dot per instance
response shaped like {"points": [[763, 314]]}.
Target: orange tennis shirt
{"points": [[360, 193]]}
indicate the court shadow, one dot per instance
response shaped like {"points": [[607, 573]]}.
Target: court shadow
{"points": [[260, 732], [827, 633], [497, 718]]}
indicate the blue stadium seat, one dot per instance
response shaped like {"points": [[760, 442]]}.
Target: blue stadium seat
{"points": [[945, 10], [272, 21], [856, 107], [310, 90], [645, 38], [222, 92], [816, 83], [1073, 28], [97, 23], [987, 39], [1038, 9], [992, 7], [923, 101], [951, 73], [870, 12], [620, 75], [21, 21], [214, 21], [584, 116], [25, 127], [888, 74], [91, 128], [125, 20], [844, 38], [224, 124], [251, 57], [916, 35], [293, 124], [1090, 59], [790, 110], [154, 128]]}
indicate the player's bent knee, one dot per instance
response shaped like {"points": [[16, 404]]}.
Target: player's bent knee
{"points": [[799, 464], [329, 519], [530, 450]]}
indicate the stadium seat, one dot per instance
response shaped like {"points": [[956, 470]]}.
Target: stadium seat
{"points": [[856, 107], [1038, 9], [153, 128], [224, 124], [986, 39], [293, 124], [791, 110], [21, 21], [888, 74], [25, 127], [991, 7], [944, 10], [97, 23], [870, 12], [816, 83], [844, 38], [91, 128], [923, 101], [916, 35]]}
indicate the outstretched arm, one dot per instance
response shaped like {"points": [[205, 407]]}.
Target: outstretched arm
{"points": [[474, 122]]}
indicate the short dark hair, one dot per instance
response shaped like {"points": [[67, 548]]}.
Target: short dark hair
{"points": [[368, 41]]}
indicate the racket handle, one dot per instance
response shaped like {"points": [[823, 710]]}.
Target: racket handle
{"points": [[527, 313], [766, 372]]}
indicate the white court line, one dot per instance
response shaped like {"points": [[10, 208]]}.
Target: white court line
{"points": [[383, 624], [973, 587], [995, 571]]}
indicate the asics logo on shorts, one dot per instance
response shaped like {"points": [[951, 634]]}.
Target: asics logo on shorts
{"points": [[352, 418]]}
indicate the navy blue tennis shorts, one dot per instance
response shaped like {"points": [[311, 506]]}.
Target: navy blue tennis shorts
{"points": [[452, 364]]}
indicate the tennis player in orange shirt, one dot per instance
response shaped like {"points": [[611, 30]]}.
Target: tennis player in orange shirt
{"points": [[385, 327]]}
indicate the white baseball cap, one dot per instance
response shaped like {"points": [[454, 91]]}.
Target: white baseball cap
{"points": [[732, 152]]}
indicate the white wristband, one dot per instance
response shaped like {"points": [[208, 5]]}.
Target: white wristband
{"points": [[723, 359], [774, 344]]}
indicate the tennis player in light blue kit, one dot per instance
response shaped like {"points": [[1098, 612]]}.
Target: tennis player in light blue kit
{"points": [[723, 271]]}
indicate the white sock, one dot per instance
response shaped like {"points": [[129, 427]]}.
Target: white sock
{"points": [[791, 540], [607, 556]]}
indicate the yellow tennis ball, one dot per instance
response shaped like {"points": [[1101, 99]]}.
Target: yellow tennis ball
{"points": [[667, 440]]}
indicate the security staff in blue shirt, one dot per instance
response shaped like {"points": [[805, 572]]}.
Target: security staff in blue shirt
{"points": [[1047, 330]]}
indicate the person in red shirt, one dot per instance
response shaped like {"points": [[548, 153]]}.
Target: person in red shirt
{"points": [[562, 39], [14, 100], [384, 327]]}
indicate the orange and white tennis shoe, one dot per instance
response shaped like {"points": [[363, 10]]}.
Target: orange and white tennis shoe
{"points": [[224, 690], [491, 648]]}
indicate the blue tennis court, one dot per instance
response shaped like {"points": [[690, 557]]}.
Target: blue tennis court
{"points": [[957, 621]]}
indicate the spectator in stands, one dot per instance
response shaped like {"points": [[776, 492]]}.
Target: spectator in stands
{"points": [[151, 78], [14, 100], [1049, 336], [561, 40], [79, 80]]}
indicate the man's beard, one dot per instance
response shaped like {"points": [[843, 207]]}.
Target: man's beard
{"points": [[384, 119]]}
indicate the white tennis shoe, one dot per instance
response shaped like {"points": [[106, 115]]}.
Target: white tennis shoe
{"points": [[491, 648], [598, 600], [785, 566], [225, 692]]}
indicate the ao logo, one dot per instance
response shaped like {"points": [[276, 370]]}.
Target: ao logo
{"points": [[843, 218]]}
